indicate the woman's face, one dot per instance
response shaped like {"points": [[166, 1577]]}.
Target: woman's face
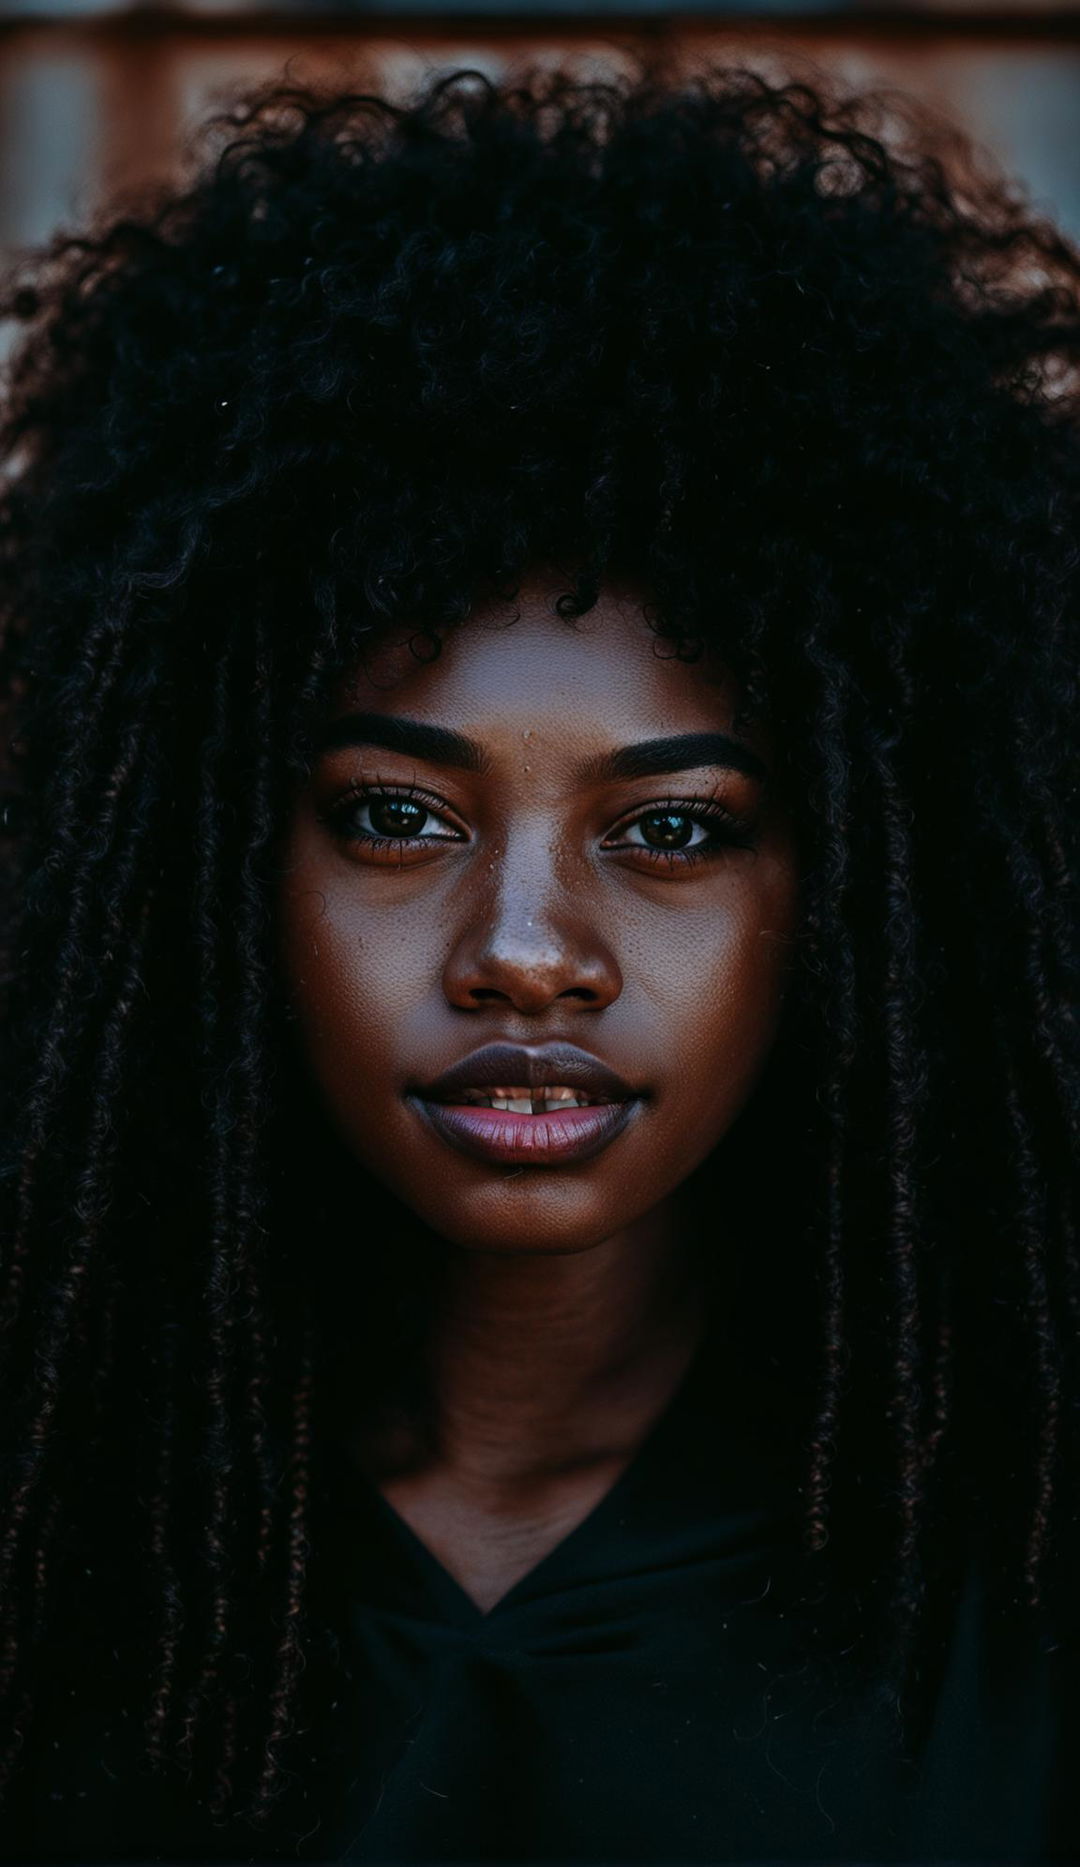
{"points": [[538, 913]]}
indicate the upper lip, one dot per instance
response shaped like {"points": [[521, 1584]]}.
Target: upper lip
{"points": [[530, 1066]]}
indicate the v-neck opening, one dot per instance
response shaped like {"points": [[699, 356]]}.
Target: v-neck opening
{"points": [[457, 1598]]}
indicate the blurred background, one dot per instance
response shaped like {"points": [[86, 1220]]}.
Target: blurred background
{"points": [[98, 94]]}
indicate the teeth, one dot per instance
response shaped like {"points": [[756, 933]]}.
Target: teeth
{"points": [[517, 1100]]}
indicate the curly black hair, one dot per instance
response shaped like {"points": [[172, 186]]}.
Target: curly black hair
{"points": [[815, 387]]}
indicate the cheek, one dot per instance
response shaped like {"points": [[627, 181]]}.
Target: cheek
{"points": [[721, 1000], [349, 988]]}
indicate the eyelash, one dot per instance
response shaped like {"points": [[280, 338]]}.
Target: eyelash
{"points": [[338, 813], [731, 831]]}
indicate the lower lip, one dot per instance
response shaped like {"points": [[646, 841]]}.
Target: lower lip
{"points": [[516, 1140]]}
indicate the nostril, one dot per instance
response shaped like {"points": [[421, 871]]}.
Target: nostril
{"points": [[481, 972]]}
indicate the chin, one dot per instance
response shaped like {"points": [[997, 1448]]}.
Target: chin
{"points": [[515, 1217]]}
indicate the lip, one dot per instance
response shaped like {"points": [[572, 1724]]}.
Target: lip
{"points": [[507, 1138], [531, 1065]]}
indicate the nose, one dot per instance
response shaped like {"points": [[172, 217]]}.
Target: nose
{"points": [[532, 942]]}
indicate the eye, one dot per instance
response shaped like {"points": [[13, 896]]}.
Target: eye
{"points": [[678, 833], [387, 815], [388, 818], [667, 829]]}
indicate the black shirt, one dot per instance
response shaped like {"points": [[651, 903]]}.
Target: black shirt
{"points": [[645, 1693]]}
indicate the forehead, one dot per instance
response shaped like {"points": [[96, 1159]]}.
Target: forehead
{"points": [[520, 668]]}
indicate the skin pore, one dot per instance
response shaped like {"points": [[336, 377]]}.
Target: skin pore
{"points": [[582, 851]]}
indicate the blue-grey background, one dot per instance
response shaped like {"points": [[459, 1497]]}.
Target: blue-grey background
{"points": [[95, 95]]}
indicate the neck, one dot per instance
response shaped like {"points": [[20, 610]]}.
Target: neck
{"points": [[534, 1363]]}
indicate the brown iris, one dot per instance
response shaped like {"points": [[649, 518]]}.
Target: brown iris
{"points": [[667, 829], [396, 816]]}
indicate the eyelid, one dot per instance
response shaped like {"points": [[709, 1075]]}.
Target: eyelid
{"points": [[365, 790], [710, 807]]}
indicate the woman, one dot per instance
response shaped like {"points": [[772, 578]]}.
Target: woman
{"points": [[541, 1272]]}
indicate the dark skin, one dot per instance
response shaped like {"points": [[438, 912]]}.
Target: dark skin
{"points": [[528, 900]]}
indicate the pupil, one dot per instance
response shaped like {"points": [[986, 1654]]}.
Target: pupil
{"points": [[667, 829], [395, 816]]}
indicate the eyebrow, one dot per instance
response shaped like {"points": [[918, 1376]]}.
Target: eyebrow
{"points": [[440, 745], [684, 752]]}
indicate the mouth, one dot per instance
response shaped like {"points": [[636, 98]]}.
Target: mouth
{"points": [[519, 1105]]}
